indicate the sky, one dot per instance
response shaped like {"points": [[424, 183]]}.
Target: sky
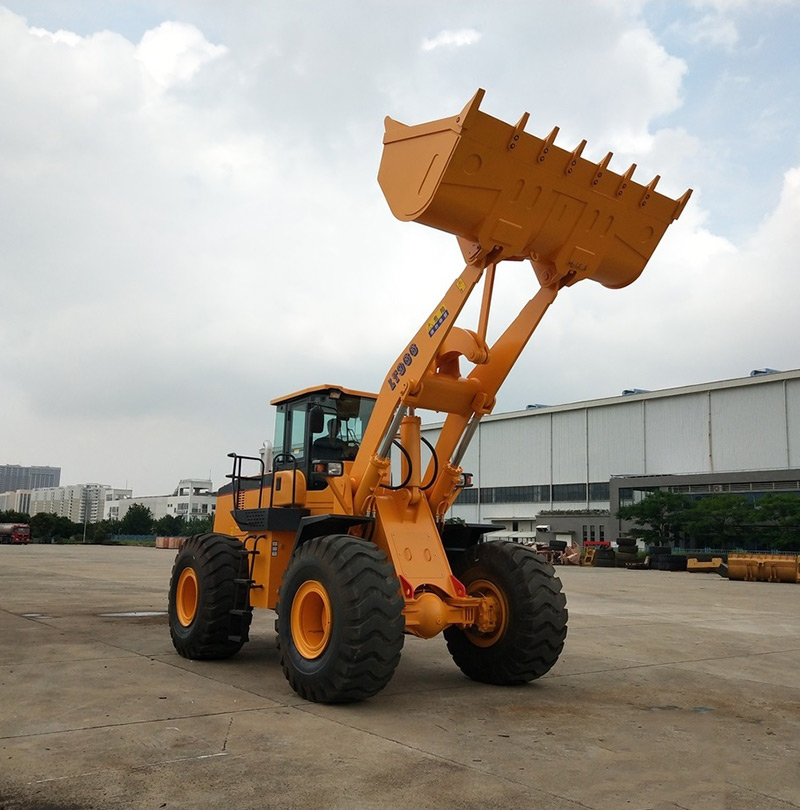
{"points": [[191, 225]]}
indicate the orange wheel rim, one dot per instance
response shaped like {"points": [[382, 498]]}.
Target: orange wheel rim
{"points": [[495, 606], [311, 619], [186, 596]]}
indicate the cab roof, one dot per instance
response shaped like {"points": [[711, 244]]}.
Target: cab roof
{"points": [[322, 389]]}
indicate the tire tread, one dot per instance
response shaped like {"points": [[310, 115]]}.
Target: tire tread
{"points": [[372, 632], [218, 562], [537, 627]]}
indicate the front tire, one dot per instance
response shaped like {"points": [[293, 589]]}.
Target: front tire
{"points": [[532, 615], [202, 594], [340, 620]]}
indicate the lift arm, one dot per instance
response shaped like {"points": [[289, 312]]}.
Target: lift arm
{"points": [[506, 195]]}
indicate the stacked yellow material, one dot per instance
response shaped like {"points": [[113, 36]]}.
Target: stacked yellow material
{"points": [[764, 567]]}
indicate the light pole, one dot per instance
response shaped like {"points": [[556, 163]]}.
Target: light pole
{"points": [[85, 511]]}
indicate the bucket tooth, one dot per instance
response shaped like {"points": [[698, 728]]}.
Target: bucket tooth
{"points": [[601, 167], [573, 158], [392, 127], [681, 204], [649, 189], [546, 144], [623, 184], [470, 108], [518, 130]]}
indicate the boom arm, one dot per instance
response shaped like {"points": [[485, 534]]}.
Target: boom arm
{"points": [[402, 381], [506, 195]]}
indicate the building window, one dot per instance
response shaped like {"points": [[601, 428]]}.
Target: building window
{"points": [[569, 492], [584, 533], [536, 493]]}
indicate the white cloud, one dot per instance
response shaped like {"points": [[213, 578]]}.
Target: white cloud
{"points": [[174, 52], [66, 37], [190, 223], [451, 39]]}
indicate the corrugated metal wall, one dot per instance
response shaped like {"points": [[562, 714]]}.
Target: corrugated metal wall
{"points": [[741, 428], [676, 435], [752, 424], [616, 440], [793, 421], [569, 447], [514, 452], [748, 428]]}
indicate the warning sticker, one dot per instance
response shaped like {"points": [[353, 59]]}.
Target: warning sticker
{"points": [[437, 319]]}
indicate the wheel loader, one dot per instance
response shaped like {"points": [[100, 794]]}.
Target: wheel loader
{"points": [[352, 554]]}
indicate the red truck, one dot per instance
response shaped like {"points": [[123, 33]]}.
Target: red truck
{"points": [[15, 533]]}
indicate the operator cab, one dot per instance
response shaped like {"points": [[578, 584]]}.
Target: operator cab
{"points": [[318, 425]]}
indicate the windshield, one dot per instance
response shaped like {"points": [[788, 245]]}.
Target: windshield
{"points": [[338, 425], [324, 426]]}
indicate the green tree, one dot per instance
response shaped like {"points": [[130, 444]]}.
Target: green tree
{"points": [[49, 526], [721, 521], [778, 519], [199, 525], [10, 516], [658, 517], [101, 531], [170, 526], [137, 520]]}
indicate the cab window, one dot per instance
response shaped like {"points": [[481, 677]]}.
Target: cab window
{"points": [[280, 429], [297, 431]]}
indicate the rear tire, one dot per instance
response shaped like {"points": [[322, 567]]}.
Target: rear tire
{"points": [[531, 633], [340, 620], [202, 593]]}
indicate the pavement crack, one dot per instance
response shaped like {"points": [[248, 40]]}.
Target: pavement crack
{"points": [[170, 719], [781, 802], [227, 734]]}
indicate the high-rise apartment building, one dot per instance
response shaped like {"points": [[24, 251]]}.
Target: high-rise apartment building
{"points": [[18, 500], [79, 502], [15, 476]]}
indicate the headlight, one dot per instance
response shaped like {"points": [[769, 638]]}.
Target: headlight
{"points": [[330, 469]]}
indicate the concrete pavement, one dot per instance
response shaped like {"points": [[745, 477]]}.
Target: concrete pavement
{"points": [[674, 690]]}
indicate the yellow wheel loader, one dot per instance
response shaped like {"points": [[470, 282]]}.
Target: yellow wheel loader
{"points": [[353, 555]]}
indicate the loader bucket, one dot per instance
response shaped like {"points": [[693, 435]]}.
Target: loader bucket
{"points": [[511, 195], [764, 567]]}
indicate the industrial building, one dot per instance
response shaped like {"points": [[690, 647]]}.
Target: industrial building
{"points": [[568, 468]]}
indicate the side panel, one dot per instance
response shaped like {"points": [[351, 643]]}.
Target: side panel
{"points": [[274, 547], [275, 551], [569, 447], [677, 435], [748, 427], [616, 440], [793, 421], [515, 451]]}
